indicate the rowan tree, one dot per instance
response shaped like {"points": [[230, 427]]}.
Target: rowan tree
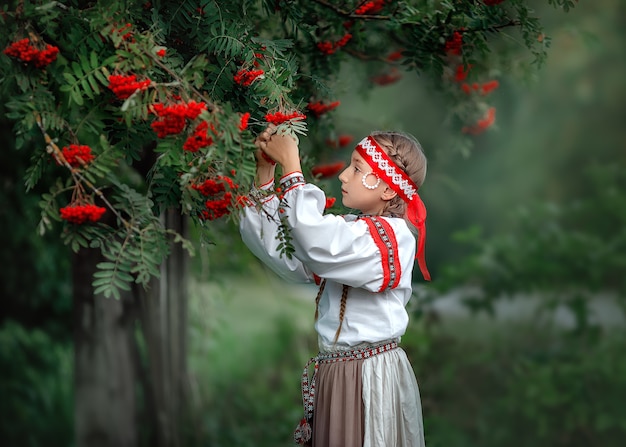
{"points": [[138, 106]]}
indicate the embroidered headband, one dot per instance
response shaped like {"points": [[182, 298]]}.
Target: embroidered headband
{"points": [[385, 168]]}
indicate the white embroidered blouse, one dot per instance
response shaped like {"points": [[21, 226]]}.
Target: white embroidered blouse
{"points": [[373, 255]]}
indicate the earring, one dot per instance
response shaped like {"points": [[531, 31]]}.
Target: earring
{"points": [[370, 186]]}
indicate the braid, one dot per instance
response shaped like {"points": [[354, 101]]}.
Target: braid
{"points": [[342, 310], [317, 298]]}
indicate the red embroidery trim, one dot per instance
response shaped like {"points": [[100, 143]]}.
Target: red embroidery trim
{"points": [[284, 176], [385, 239], [266, 185], [291, 181], [389, 238]]}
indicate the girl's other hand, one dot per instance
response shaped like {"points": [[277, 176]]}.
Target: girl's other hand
{"points": [[264, 164], [263, 160]]}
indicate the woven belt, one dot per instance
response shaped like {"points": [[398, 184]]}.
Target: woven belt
{"points": [[303, 431]]}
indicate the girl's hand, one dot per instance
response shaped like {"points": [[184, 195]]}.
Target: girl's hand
{"points": [[265, 166], [263, 160], [282, 148]]}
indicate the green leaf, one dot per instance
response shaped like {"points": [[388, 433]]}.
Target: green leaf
{"points": [[121, 284], [93, 83], [69, 77], [101, 77], [104, 267], [76, 97], [86, 88], [101, 281], [93, 59], [78, 71]]}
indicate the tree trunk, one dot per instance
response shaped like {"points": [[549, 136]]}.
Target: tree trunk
{"points": [[109, 365], [104, 377], [164, 321]]}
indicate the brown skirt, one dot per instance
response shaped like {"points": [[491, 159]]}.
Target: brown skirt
{"points": [[372, 402], [338, 417]]}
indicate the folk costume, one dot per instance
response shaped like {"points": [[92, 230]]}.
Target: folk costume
{"points": [[363, 391]]}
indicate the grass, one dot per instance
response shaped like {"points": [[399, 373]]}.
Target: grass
{"points": [[242, 312], [250, 336], [483, 384]]}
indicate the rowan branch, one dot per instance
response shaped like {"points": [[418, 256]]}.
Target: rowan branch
{"points": [[53, 149], [491, 28], [211, 107], [350, 14]]}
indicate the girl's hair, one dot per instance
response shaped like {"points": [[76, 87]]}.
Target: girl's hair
{"points": [[342, 305], [342, 310], [407, 153]]}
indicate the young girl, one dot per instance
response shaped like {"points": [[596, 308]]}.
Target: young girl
{"points": [[363, 390]]}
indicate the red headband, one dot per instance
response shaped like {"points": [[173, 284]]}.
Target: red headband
{"points": [[385, 168]]}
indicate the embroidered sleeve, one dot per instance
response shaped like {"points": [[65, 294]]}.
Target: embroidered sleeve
{"points": [[260, 194], [362, 253], [259, 231], [291, 181]]}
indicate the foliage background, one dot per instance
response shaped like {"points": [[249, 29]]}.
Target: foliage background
{"points": [[536, 208]]}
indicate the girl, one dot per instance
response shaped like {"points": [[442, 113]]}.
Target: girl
{"points": [[363, 391]]}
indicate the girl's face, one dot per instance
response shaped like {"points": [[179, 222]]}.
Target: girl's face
{"points": [[354, 194]]}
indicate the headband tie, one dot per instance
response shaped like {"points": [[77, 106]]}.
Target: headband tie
{"points": [[385, 168]]}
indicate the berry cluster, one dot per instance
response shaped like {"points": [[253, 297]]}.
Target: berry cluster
{"points": [[319, 108], [483, 89], [220, 200], [123, 86], [259, 57], [24, 51], [161, 52], [173, 118], [330, 201], [370, 7], [214, 186], [79, 214], [390, 77], [455, 43], [482, 124], [198, 139], [279, 117], [247, 77], [126, 35], [461, 72], [77, 155], [328, 47], [243, 122], [396, 55], [328, 170]]}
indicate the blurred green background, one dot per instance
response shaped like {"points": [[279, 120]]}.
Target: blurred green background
{"points": [[518, 341]]}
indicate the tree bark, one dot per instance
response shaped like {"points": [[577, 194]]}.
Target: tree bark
{"points": [[104, 377], [109, 364], [164, 322]]}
